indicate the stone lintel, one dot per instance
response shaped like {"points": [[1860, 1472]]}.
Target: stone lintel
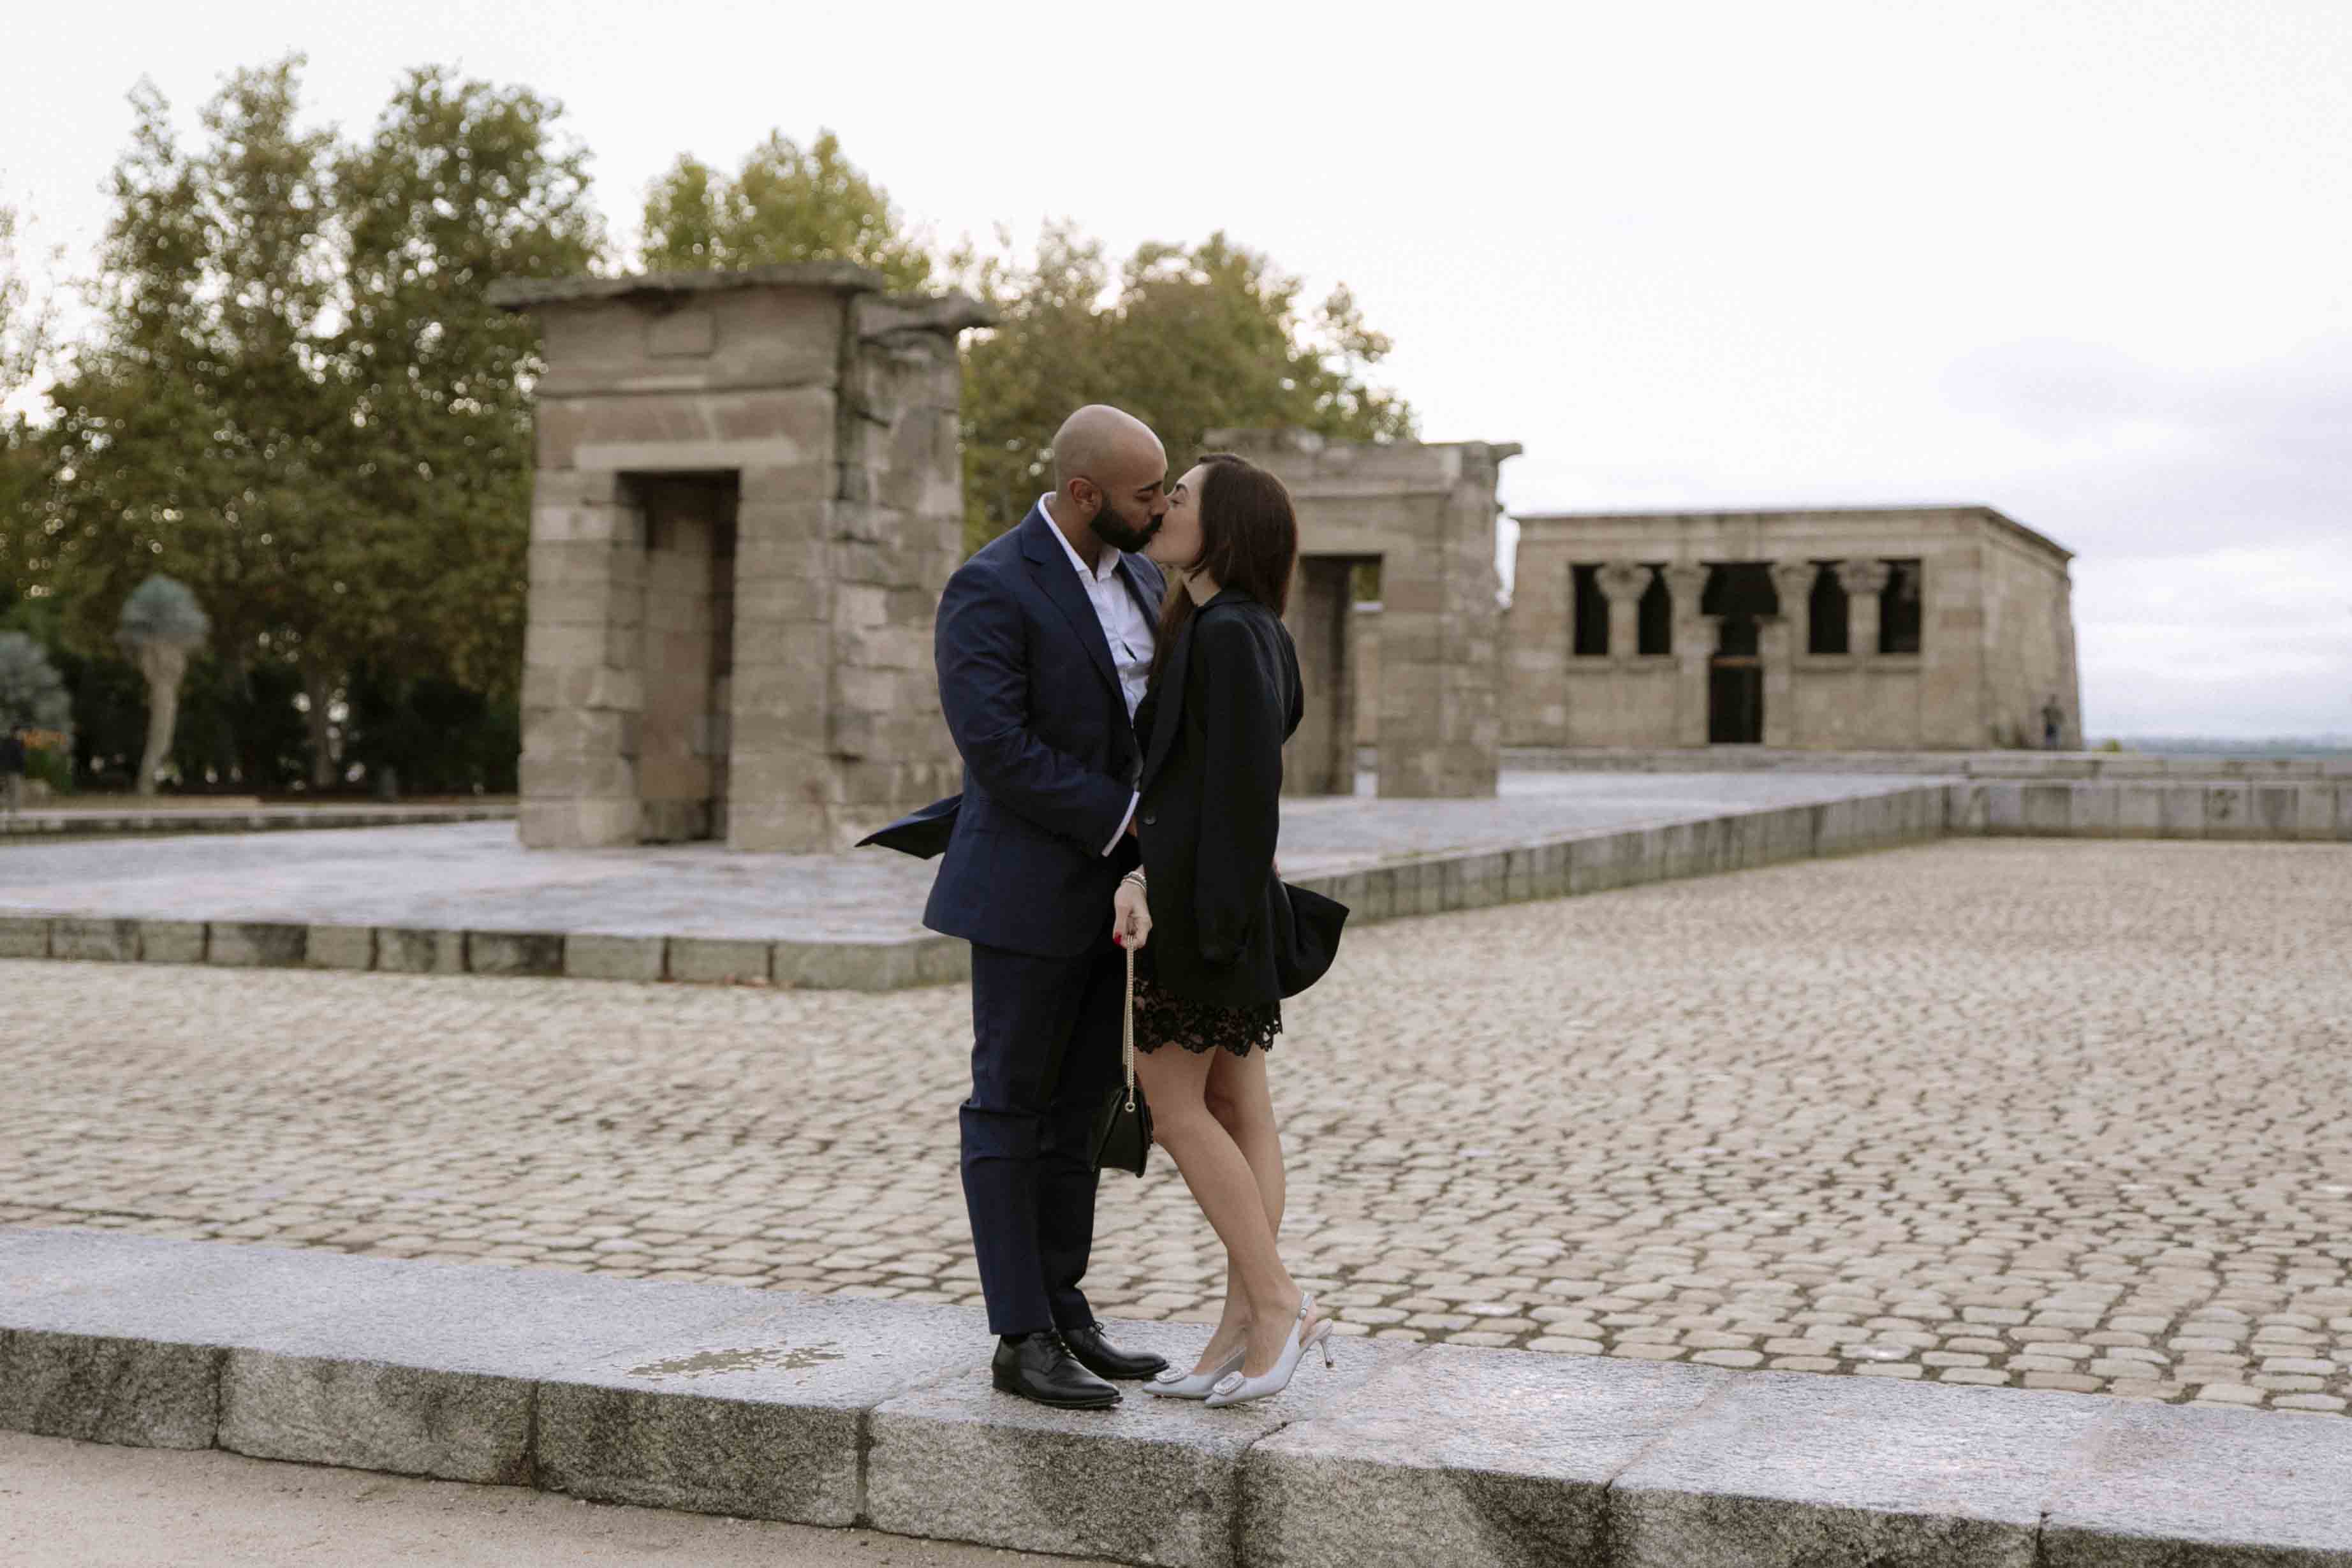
{"points": [[531, 293]]}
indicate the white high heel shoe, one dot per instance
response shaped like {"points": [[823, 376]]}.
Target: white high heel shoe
{"points": [[1236, 1389], [1174, 1384]]}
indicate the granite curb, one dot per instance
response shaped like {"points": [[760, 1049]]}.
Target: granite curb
{"points": [[2289, 811], [829, 1410], [77, 824], [2107, 766], [579, 956]]}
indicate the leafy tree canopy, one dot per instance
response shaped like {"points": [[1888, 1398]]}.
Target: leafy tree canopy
{"points": [[1187, 339], [785, 204]]}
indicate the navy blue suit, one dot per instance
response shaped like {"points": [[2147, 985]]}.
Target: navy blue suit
{"points": [[1051, 759]]}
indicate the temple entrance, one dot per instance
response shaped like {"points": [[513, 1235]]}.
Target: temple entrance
{"points": [[688, 657], [1320, 759], [1735, 700], [1738, 596]]}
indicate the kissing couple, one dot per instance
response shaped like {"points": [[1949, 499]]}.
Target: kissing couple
{"points": [[1120, 683]]}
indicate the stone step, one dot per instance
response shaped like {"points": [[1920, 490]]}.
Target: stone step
{"points": [[829, 1410]]}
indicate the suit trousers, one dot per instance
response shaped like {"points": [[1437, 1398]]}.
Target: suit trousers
{"points": [[1045, 1051]]}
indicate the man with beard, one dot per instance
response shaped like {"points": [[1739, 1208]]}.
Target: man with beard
{"points": [[1044, 643]]}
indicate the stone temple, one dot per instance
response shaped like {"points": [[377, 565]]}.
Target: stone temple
{"points": [[1898, 628], [748, 495]]}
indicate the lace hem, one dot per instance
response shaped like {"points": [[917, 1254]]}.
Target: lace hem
{"points": [[1161, 1020]]}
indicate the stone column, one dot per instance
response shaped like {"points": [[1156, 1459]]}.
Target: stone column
{"points": [[1622, 582], [1792, 582], [1695, 639], [1536, 640], [1775, 640], [1863, 580]]}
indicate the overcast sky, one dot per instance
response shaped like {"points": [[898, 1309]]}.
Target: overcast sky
{"points": [[2089, 262]]}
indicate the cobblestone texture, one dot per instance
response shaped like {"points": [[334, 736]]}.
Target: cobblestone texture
{"points": [[2052, 1115]]}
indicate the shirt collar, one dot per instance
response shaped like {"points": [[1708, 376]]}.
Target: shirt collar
{"points": [[1110, 557]]}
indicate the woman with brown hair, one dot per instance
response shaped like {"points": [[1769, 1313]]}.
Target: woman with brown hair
{"points": [[1230, 939]]}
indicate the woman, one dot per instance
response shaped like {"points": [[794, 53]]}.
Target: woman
{"points": [[1231, 940]]}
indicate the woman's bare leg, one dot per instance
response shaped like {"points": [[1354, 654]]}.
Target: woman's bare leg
{"points": [[1237, 1097], [1176, 1083]]}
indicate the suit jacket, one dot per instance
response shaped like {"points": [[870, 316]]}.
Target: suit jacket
{"points": [[1050, 757], [1225, 929]]}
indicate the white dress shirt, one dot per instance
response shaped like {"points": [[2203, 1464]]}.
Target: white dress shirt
{"points": [[1125, 627]]}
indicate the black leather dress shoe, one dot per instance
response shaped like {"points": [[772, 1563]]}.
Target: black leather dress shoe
{"points": [[1041, 1367], [1104, 1359]]}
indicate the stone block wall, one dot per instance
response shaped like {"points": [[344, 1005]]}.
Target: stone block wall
{"points": [[748, 501]]}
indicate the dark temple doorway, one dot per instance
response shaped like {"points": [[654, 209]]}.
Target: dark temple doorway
{"points": [[1739, 595]]}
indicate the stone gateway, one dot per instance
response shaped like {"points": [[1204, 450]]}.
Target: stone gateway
{"points": [[748, 496]]}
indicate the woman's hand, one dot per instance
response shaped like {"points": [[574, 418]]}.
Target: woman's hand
{"points": [[1130, 915]]}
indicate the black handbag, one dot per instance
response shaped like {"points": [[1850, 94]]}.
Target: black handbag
{"points": [[1123, 1125]]}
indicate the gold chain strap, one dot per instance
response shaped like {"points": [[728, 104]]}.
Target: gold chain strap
{"points": [[1127, 1049]]}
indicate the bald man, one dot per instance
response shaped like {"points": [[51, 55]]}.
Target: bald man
{"points": [[1044, 643]]}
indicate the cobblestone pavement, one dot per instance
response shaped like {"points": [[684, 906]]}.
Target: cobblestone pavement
{"points": [[2056, 1115]]}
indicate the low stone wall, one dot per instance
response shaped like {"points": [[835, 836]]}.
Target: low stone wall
{"points": [[584, 956], [2314, 810], [836, 1411], [1437, 884], [84, 822], [1597, 862], [2307, 810], [2040, 765]]}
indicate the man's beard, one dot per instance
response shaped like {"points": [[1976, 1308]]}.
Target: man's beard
{"points": [[1116, 532]]}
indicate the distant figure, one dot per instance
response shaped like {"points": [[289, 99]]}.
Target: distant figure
{"points": [[12, 769], [2054, 721]]}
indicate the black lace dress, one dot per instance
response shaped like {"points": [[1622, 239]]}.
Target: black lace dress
{"points": [[1161, 1019]]}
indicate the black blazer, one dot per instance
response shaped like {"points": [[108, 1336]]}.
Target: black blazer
{"points": [[1225, 929], [1050, 760]]}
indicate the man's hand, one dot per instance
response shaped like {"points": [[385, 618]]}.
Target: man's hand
{"points": [[1130, 916]]}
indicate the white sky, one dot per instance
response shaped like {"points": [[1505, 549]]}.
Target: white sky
{"points": [[2089, 263]]}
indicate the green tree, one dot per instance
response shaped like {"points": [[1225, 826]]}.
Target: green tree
{"points": [[25, 321], [785, 204], [1190, 339], [25, 326], [32, 694], [463, 183], [201, 433], [298, 402]]}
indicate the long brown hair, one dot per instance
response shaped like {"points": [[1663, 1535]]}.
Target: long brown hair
{"points": [[1249, 541]]}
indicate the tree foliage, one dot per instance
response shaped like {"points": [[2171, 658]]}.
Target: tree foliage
{"points": [[1187, 339], [32, 694], [297, 400], [784, 204], [1190, 339], [25, 321], [462, 183]]}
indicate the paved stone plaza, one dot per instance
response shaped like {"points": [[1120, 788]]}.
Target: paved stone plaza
{"points": [[2050, 1114], [476, 875]]}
